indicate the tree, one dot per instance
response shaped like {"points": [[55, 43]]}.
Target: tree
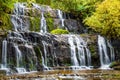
{"points": [[106, 19]]}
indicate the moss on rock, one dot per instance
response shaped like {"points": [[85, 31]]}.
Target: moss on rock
{"points": [[50, 24], [35, 24], [38, 53], [5, 23], [59, 31]]}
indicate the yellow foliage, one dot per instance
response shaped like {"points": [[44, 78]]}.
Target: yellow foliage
{"points": [[106, 19]]}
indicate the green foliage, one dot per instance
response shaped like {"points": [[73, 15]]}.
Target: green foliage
{"points": [[80, 8], [59, 31], [87, 7], [5, 22], [106, 18], [6, 7], [46, 2]]}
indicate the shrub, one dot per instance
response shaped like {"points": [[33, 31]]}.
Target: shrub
{"points": [[106, 19], [59, 31]]}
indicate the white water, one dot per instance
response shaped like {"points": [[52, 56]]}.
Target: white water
{"points": [[43, 28], [112, 53], [18, 56], [73, 51], [17, 19], [105, 57], [82, 50], [19, 8], [19, 60], [60, 15], [4, 54], [44, 59], [80, 54], [21, 70]]}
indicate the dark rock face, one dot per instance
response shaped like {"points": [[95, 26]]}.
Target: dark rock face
{"points": [[73, 26], [116, 45], [57, 48], [57, 54]]}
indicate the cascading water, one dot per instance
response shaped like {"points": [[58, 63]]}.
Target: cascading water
{"points": [[73, 51], [44, 58], [112, 53], [82, 51], [4, 65], [60, 15], [43, 28], [80, 54], [18, 55], [19, 9], [32, 58], [19, 60], [17, 18], [4, 54], [103, 52]]}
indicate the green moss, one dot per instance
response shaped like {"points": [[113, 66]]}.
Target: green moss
{"points": [[38, 53], [35, 24], [50, 24], [59, 31], [115, 63], [5, 22], [47, 14], [92, 50]]}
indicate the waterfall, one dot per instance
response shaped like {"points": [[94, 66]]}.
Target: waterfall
{"points": [[17, 18], [44, 58], [19, 60], [80, 54], [43, 28], [82, 51], [19, 9], [112, 53], [4, 54], [103, 52], [18, 55], [32, 57], [21, 70], [60, 15], [73, 51], [88, 57]]}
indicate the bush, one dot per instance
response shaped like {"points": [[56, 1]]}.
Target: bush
{"points": [[106, 19], [59, 31]]}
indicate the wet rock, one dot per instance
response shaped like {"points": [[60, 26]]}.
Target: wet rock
{"points": [[73, 26], [3, 72], [40, 67]]}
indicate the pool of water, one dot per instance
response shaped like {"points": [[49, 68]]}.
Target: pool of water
{"points": [[95, 74]]}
